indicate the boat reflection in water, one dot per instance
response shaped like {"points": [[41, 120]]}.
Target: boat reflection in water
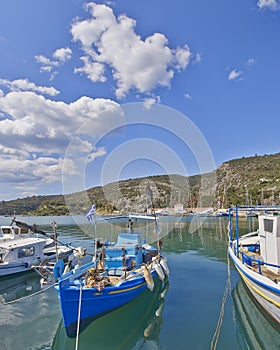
{"points": [[14, 287], [255, 330], [133, 326]]}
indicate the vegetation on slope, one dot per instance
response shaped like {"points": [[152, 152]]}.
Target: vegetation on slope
{"points": [[252, 180]]}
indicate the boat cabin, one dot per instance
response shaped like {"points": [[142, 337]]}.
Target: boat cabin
{"points": [[11, 232], [269, 233], [128, 252], [23, 250]]}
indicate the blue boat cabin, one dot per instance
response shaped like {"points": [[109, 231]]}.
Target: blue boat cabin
{"points": [[126, 253]]}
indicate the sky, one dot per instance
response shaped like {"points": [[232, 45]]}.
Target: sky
{"points": [[96, 92]]}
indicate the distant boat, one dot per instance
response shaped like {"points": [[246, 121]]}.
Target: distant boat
{"points": [[251, 214], [256, 256], [221, 214], [204, 213], [121, 272]]}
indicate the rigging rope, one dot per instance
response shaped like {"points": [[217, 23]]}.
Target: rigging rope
{"points": [[216, 335], [27, 296]]}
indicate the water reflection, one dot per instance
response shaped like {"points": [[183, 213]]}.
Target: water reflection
{"points": [[255, 330], [208, 239], [15, 287], [133, 326], [196, 259]]}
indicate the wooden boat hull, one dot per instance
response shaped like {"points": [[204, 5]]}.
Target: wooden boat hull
{"points": [[141, 329], [266, 292], [95, 304]]}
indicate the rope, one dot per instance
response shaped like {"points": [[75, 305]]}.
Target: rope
{"points": [[216, 335], [79, 317], [27, 296]]}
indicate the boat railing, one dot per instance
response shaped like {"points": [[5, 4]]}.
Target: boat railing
{"points": [[78, 271], [249, 260], [234, 217]]}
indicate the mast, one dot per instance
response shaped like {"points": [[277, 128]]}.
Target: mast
{"points": [[246, 197], [54, 225]]}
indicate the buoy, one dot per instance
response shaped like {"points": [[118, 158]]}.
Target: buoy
{"points": [[148, 277], [159, 310], [164, 265], [163, 293], [67, 269], [159, 271], [148, 330]]}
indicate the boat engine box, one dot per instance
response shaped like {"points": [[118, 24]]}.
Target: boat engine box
{"points": [[269, 229]]}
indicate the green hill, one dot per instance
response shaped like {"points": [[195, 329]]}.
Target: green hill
{"points": [[248, 180]]}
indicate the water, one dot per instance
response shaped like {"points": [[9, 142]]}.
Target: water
{"points": [[182, 316]]}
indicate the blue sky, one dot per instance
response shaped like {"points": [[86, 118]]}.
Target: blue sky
{"points": [[83, 84]]}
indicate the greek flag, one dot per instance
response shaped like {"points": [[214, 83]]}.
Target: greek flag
{"points": [[90, 213]]}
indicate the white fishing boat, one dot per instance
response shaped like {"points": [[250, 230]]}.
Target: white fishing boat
{"points": [[256, 256], [22, 254]]}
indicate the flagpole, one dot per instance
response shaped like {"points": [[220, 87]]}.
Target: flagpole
{"points": [[91, 213], [95, 241]]}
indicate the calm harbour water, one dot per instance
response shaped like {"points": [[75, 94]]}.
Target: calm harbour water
{"points": [[182, 316]]}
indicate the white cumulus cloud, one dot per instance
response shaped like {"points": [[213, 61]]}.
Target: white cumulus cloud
{"points": [[235, 74], [251, 61], [270, 4], [111, 42], [35, 133], [63, 54], [59, 57], [26, 85]]}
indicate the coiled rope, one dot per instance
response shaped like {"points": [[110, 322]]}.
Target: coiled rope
{"points": [[216, 335], [27, 296]]}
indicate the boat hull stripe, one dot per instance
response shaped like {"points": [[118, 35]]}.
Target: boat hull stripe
{"points": [[255, 289]]}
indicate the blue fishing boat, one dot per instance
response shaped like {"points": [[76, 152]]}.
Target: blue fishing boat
{"points": [[118, 274], [141, 319], [256, 256]]}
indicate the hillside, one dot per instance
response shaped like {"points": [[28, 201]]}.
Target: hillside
{"points": [[248, 180], [259, 176]]}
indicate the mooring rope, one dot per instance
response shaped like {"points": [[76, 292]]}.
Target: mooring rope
{"points": [[216, 335], [79, 317], [27, 296]]}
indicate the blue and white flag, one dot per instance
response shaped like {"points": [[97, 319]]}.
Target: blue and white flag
{"points": [[90, 213]]}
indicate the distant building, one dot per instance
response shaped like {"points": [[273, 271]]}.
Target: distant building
{"points": [[263, 179], [179, 208]]}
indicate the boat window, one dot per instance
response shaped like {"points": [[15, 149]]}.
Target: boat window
{"points": [[6, 230], [17, 231], [268, 225], [25, 252], [24, 230]]}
